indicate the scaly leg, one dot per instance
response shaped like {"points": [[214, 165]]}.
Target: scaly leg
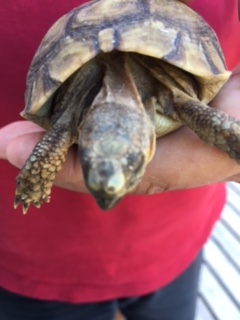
{"points": [[35, 180], [211, 125]]}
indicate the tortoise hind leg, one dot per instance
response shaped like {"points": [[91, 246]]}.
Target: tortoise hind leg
{"points": [[213, 126], [35, 179]]}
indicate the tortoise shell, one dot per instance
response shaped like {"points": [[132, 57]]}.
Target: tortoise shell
{"points": [[163, 29]]}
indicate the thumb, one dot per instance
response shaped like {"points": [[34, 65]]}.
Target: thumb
{"points": [[12, 131], [19, 148]]}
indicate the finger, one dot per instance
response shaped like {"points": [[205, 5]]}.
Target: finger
{"points": [[227, 99], [13, 130], [183, 161], [70, 177], [20, 147]]}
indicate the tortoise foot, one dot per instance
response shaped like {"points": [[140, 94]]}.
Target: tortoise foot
{"points": [[35, 180]]}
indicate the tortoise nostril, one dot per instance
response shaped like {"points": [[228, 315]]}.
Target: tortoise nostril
{"points": [[105, 169], [110, 189]]}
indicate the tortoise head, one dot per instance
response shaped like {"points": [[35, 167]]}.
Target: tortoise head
{"points": [[115, 146]]}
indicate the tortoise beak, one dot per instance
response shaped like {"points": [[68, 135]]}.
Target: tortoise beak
{"points": [[106, 203]]}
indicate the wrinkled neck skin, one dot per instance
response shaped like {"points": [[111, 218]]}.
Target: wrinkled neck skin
{"points": [[116, 138]]}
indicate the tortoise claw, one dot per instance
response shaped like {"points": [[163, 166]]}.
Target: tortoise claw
{"points": [[35, 180], [20, 199], [25, 207], [47, 199], [17, 200], [37, 204]]}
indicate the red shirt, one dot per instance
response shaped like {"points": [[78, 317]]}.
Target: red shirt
{"points": [[69, 250]]}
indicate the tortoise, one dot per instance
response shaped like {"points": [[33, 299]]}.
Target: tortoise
{"points": [[112, 76]]}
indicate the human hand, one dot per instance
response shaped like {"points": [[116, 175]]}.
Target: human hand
{"points": [[181, 161]]}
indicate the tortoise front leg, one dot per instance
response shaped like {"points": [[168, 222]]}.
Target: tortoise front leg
{"points": [[35, 180], [213, 126]]}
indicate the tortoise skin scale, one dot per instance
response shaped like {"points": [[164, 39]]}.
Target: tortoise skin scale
{"points": [[112, 76]]}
